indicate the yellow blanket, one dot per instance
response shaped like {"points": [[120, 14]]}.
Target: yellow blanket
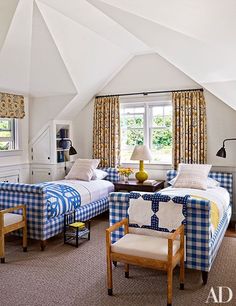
{"points": [[215, 215]]}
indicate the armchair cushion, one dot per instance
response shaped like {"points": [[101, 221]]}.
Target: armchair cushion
{"points": [[144, 246], [12, 218]]}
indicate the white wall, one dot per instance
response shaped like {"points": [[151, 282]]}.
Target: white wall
{"points": [[44, 109], [17, 162], [149, 73]]}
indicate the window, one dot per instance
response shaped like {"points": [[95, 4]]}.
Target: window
{"points": [[150, 124], [7, 134]]}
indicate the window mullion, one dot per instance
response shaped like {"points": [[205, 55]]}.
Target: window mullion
{"points": [[146, 125]]}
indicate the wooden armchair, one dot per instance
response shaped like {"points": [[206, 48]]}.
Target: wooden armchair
{"points": [[147, 251], [10, 222]]}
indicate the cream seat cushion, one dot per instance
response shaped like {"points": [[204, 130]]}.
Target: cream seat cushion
{"points": [[144, 246], [12, 219]]}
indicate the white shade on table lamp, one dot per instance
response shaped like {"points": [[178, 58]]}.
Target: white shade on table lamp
{"points": [[141, 153]]}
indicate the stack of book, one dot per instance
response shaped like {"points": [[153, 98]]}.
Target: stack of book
{"points": [[79, 225], [149, 182]]}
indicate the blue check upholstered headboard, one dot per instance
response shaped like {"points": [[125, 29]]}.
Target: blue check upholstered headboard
{"points": [[225, 180], [113, 175]]}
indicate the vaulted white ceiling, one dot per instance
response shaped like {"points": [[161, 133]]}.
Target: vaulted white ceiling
{"points": [[198, 37], [59, 47]]}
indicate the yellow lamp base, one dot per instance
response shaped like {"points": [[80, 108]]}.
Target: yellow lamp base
{"points": [[141, 175]]}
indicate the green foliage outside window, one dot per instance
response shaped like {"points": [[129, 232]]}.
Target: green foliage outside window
{"points": [[5, 134], [161, 133]]}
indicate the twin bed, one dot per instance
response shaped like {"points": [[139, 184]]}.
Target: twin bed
{"points": [[47, 203], [203, 234], [208, 212]]}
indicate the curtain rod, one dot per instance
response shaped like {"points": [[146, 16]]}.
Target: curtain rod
{"points": [[146, 93]]}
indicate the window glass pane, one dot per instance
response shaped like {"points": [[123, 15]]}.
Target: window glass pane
{"points": [[132, 110], [161, 116], [7, 141], [130, 138], [168, 110], [157, 116], [161, 145], [5, 124], [158, 133], [5, 134], [132, 130], [132, 121], [5, 145]]}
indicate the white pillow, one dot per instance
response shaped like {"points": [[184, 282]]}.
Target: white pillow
{"points": [[211, 183], [192, 176], [99, 174], [82, 169]]}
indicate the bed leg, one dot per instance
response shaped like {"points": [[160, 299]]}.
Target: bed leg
{"points": [[204, 277], [42, 245]]}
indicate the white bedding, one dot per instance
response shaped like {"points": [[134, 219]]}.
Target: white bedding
{"points": [[89, 191], [218, 195]]}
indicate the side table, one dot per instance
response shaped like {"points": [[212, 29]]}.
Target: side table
{"points": [[133, 185]]}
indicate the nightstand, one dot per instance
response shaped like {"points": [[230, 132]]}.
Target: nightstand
{"points": [[133, 185]]}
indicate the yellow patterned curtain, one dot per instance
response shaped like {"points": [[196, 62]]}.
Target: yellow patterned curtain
{"points": [[189, 128], [106, 131], [11, 106]]}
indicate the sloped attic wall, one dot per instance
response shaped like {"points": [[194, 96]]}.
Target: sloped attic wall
{"points": [[195, 36], [152, 72]]}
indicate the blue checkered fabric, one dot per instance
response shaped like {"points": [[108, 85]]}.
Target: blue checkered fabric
{"points": [[201, 247], [113, 175], [41, 227], [55, 226]]}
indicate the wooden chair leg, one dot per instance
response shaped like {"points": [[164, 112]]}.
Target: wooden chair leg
{"points": [[2, 247], [169, 286], [109, 275], [126, 271], [181, 276], [25, 238]]}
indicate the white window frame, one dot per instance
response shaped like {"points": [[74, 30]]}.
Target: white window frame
{"points": [[13, 138], [147, 103]]}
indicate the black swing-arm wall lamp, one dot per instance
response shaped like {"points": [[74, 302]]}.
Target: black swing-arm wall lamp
{"points": [[222, 151]]}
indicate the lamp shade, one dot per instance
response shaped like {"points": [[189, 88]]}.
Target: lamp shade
{"points": [[72, 151], [221, 152], [141, 152]]}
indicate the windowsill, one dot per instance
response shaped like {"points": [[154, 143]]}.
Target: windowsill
{"points": [[149, 165], [5, 153]]}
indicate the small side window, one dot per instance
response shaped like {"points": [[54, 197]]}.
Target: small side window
{"points": [[7, 134]]}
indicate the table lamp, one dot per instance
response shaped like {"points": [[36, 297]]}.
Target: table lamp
{"points": [[141, 153]]}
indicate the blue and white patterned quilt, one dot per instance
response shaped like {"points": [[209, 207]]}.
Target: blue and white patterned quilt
{"points": [[156, 211], [60, 199]]}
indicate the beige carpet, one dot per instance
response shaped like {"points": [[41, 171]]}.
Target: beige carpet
{"points": [[64, 275]]}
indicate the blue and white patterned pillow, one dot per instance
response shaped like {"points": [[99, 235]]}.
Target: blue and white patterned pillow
{"points": [[156, 211]]}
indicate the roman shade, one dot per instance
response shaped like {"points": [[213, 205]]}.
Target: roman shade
{"points": [[11, 106]]}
